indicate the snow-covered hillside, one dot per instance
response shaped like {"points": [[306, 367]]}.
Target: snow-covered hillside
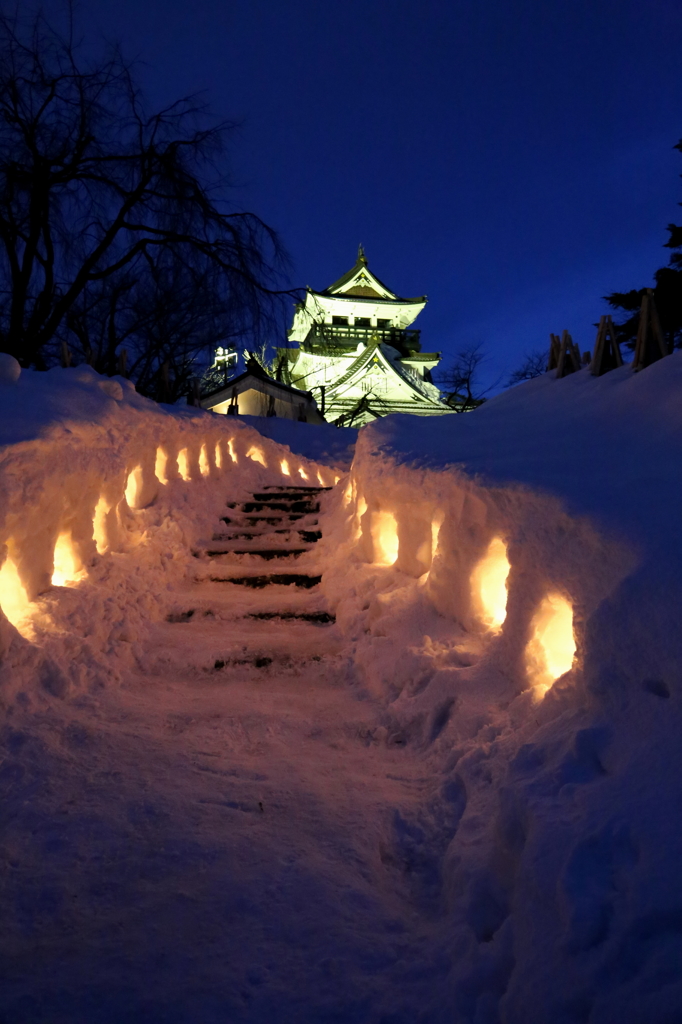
{"points": [[458, 802]]}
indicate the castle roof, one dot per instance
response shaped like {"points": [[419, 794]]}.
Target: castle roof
{"points": [[361, 283]]}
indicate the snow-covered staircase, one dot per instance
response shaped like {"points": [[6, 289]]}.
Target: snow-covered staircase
{"points": [[254, 602]]}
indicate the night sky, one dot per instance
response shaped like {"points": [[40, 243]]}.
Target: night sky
{"points": [[512, 159]]}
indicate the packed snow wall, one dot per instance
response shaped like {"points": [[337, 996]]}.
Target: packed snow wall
{"points": [[511, 581], [546, 512], [90, 470]]}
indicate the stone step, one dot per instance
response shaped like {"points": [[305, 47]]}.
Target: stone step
{"points": [[271, 580], [275, 519], [318, 618], [284, 487], [266, 553], [308, 536], [279, 506], [293, 495]]}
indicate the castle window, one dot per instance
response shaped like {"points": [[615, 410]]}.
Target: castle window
{"points": [[362, 321], [340, 320], [383, 323]]}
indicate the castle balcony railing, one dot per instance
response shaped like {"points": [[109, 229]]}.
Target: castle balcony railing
{"points": [[346, 337]]}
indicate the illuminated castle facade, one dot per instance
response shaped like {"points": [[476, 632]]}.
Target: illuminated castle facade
{"points": [[354, 347]]}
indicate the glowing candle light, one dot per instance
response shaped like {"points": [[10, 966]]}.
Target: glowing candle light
{"points": [[204, 464], [284, 466], [13, 598], [489, 584], [551, 649], [183, 464], [385, 538], [99, 525], [218, 455], [161, 465], [66, 563], [230, 448], [133, 490], [257, 455]]}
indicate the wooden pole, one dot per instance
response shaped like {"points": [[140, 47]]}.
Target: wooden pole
{"points": [[554, 349]]}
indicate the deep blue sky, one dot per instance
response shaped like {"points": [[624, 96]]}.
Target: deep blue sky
{"points": [[512, 159]]}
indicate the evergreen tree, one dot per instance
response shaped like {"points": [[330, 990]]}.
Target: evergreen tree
{"points": [[667, 295]]}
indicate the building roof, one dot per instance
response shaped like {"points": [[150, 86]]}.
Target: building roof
{"points": [[360, 283], [253, 375]]}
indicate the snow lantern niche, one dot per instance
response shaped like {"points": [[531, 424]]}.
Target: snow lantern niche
{"points": [[436, 524], [14, 599], [284, 466], [204, 464], [67, 566], [360, 509], [134, 486], [218, 455], [385, 543], [551, 649], [183, 464], [161, 465], [321, 479], [99, 525], [302, 473], [230, 448], [489, 585], [257, 455]]}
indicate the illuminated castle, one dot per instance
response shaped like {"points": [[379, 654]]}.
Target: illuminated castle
{"points": [[357, 352]]}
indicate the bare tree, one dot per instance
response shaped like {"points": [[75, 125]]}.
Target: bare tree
{"points": [[534, 365], [104, 206], [460, 379]]}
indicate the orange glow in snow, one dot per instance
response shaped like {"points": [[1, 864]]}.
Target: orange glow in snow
{"points": [[321, 478], [284, 466], [302, 473], [13, 599], [218, 455], [67, 564], [436, 524], [489, 584], [257, 455], [551, 650], [134, 487], [160, 466], [183, 464], [230, 448], [204, 464], [385, 538], [99, 525]]}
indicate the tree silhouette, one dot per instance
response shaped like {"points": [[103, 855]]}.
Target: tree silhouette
{"points": [[114, 224]]}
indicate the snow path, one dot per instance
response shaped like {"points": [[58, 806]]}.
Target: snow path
{"points": [[226, 837]]}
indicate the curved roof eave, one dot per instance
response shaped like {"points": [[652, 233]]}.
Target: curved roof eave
{"points": [[374, 300]]}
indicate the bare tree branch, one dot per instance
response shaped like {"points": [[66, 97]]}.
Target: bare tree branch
{"points": [[95, 193]]}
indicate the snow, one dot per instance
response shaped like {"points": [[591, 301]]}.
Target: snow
{"points": [[326, 443], [399, 816]]}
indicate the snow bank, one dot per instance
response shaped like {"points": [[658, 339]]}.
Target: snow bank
{"points": [[324, 443], [90, 471], [511, 581]]}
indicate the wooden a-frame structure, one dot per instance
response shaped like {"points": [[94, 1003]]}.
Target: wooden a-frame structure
{"points": [[607, 355], [568, 359], [650, 346]]}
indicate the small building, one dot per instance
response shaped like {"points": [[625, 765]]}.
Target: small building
{"points": [[254, 393], [354, 347]]}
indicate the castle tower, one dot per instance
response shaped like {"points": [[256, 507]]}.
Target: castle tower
{"points": [[355, 348]]}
